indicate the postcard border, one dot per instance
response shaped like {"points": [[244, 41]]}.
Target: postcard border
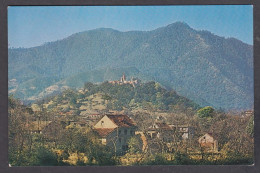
{"points": [[182, 168]]}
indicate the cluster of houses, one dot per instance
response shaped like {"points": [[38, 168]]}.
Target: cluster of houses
{"points": [[115, 130]]}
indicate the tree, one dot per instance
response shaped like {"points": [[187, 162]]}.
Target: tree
{"points": [[43, 157], [250, 127], [19, 131], [135, 145], [206, 112], [88, 86]]}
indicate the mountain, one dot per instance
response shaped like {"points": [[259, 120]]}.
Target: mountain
{"points": [[199, 65]]}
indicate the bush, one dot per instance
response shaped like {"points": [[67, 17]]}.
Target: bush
{"points": [[205, 112], [44, 157], [181, 158], [159, 159]]}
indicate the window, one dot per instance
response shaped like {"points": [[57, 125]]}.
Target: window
{"points": [[125, 131], [204, 139], [102, 123], [131, 132], [119, 139], [119, 132]]}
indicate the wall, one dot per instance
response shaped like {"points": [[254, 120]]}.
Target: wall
{"points": [[120, 139], [107, 123]]}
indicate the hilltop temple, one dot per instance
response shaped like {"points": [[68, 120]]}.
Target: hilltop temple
{"points": [[124, 81]]}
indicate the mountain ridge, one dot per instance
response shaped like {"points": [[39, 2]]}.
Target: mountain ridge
{"points": [[197, 64]]}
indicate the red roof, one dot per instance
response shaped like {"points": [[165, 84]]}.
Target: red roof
{"points": [[103, 132], [121, 120]]}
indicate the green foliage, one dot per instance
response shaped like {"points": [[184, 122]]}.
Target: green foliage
{"points": [[106, 97], [135, 145], [157, 159], [103, 156], [160, 160], [206, 112], [74, 140], [234, 135], [181, 158], [12, 102], [250, 127], [35, 155], [88, 86], [236, 158], [148, 95], [43, 157]]}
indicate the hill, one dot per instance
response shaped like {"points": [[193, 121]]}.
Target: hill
{"points": [[199, 65], [105, 97]]}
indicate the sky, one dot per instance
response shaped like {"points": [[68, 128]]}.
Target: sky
{"points": [[30, 26]]}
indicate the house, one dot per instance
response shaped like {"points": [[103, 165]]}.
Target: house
{"points": [[208, 143], [186, 131], [160, 130], [115, 131]]}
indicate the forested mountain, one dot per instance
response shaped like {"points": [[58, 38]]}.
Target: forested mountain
{"points": [[199, 65]]}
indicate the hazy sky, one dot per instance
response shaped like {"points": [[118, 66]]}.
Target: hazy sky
{"points": [[30, 26]]}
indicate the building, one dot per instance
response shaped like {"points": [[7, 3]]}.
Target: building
{"points": [[115, 131], [160, 130], [124, 81], [166, 131], [208, 143], [186, 131]]}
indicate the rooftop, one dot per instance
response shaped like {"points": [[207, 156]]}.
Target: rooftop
{"points": [[121, 120], [103, 132]]}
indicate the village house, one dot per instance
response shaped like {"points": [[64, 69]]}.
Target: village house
{"points": [[186, 131], [208, 143], [160, 130], [166, 132], [115, 131]]}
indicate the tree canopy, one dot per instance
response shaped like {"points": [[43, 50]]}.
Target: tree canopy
{"points": [[206, 112]]}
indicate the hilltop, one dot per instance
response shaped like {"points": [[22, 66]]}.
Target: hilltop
{"points": [[105, 97]]}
